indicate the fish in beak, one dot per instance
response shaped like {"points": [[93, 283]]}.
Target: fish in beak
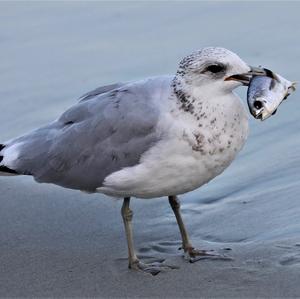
{"points": [[266, 93], [266, 90]]}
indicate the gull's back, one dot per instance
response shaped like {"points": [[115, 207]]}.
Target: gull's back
{"points": [[109, 129]]}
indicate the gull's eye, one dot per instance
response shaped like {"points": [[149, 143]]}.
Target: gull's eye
{"points": [[215, 68]]}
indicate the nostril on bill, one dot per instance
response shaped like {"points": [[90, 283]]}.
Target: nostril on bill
{"points": [[258, 104]]}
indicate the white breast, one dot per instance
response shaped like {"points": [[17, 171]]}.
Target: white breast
{"points": [[195, 149]]}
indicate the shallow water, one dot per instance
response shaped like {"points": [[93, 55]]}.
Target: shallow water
{"points": [[51, 53]]}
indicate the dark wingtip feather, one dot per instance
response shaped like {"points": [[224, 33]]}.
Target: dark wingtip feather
{"points": [[2, 146], [3, 168], [7, 170]]}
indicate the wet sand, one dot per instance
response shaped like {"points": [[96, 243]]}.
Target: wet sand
{"points": [[62, 243]]}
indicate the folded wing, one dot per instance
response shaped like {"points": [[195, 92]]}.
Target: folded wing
{"points": [[103, 133]]}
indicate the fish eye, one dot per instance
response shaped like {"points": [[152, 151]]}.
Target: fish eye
{"points": [[257, 104], [215, 68]]}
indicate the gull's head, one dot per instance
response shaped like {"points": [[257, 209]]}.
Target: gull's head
{"points": [[217, 69]]}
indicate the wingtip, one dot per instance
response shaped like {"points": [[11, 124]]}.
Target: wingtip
{"points": [[4, 170], [7, 170], [2, 146]]}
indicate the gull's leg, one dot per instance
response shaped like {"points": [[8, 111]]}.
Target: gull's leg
{"points": [[186, 244], [175, 205], [127, 215], [134, 262]]}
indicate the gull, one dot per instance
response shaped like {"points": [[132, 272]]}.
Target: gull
{"points": [[161, 136]]}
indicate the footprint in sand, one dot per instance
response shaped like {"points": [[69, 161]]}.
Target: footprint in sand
{"points": [[291, 259], [166, 247]]}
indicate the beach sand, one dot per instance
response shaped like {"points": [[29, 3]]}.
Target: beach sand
{"points": [[56, 242]]}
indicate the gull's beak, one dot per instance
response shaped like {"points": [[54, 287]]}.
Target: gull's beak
{"points": [[246, 77]]}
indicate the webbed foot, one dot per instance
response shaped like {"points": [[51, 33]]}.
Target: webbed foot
{"points": [[152, 268], [194, 255]]}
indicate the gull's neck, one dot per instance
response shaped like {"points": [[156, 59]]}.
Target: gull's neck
{"points": [[183, 93], [187, 93]]}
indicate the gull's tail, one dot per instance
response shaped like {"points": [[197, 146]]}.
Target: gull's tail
{"points": [[4, 170]]}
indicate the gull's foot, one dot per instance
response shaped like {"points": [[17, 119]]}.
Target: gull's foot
{"points": [[194, 255], [152, 268]]}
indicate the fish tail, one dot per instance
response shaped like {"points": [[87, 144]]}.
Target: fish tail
{"points": [[293, 86]]}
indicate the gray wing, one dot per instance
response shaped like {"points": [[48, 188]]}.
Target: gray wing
{"points": [[100, 90], [91, 140]]}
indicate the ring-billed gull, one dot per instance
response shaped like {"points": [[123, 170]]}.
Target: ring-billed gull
{"points": [[161, 136]]}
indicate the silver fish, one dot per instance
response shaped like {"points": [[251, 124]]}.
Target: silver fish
{"points": [[266, 93]]}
